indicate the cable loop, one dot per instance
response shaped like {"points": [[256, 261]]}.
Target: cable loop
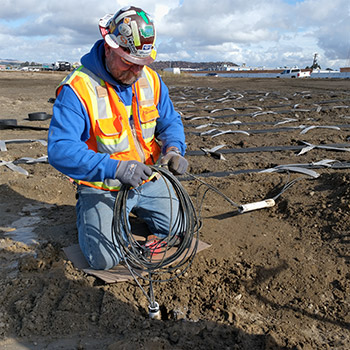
{"points": [[139, 258]]}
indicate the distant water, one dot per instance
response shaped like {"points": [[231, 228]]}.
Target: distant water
{"points": [[318, 75]]}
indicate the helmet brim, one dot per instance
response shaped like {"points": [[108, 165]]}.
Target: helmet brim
{"points": [[141, 61]]}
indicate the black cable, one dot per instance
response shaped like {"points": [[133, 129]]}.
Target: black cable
{"points": [[139, 257], [287, 185], [153, 261]]}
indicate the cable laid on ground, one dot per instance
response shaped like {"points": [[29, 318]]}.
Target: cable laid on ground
{"points": [[242, 208], [157, 259], [139, 257]]}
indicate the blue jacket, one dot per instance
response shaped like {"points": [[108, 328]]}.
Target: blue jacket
{"points": [[70, 126]]}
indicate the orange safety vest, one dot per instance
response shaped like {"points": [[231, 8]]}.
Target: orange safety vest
{"points": [[111, 132]]}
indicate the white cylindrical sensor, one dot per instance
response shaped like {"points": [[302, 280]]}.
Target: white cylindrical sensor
{"points": [[256, 205]]}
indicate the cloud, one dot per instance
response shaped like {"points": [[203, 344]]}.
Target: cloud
{"points": [[268, 33], [256, 32]]}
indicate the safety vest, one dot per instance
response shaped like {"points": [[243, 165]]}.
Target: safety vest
{"points": [[111, 131]]}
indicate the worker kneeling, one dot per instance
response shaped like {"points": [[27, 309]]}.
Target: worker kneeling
{"points": [[110, 116]]}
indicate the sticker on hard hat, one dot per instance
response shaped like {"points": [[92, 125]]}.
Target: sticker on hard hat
{"points": [[147, 47], [104, 31], [143, 15], [105, 20], [135, 33], [124, 29], [147, 31], [112, 27], [122, 41], [143, 53], [131, 45], [154, 53], [123, 15]]}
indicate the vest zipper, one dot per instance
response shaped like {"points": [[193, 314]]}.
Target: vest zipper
{"points": [[138, 145]]}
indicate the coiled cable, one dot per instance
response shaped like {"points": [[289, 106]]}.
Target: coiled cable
{"points": [[173, 254]]}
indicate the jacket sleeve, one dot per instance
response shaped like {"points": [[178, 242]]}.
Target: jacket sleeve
{"points": [[67, 150], [169, 130]]}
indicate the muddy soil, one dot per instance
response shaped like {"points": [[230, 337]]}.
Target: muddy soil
{"points": [[274, 278]]}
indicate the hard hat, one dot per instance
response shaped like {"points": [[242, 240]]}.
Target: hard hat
{"points": [[131, 32]]}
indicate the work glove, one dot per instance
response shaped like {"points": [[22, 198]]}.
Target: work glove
{"points": [[132, 172], [177, 164]]}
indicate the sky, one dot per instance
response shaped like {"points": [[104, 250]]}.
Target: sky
{"points": [[270, 34]]}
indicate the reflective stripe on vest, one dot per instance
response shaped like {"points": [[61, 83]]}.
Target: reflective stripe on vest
{"points": [[146, 99], [101, 107]]}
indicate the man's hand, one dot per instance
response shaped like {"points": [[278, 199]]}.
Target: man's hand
{"points": [[132, 172], [177, 164]]}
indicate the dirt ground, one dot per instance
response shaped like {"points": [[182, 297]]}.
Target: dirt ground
{"points": [[274, 278]]}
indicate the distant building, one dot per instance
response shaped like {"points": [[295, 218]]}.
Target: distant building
{"points": [[172, 70]]}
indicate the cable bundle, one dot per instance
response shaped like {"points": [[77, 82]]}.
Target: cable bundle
{"points": [[158, 258]]}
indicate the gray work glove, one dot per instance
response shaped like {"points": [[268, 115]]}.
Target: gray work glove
{"points": [[177, 164], [132, 172]]}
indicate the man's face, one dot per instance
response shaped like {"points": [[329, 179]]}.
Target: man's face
{"points": [[122, 71]]}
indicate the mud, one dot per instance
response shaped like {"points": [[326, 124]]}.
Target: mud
{"points": [[274, 278]]}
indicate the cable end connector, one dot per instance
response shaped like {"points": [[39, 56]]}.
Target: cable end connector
{"points": [[267, 203], [154, 311]]}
